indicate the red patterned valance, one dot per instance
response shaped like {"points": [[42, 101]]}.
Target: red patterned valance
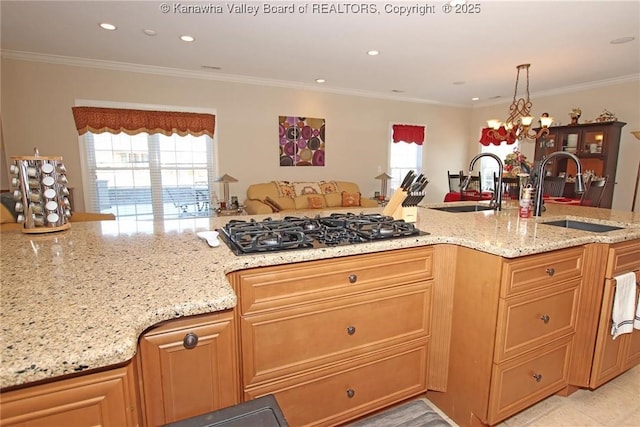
{"points": [[488, 136], [408, 133], [131, 122]]}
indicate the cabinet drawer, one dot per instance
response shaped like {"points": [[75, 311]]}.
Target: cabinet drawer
{"points": [[268, 288], [623, 257], [302, 338], [522, 382], [531, 320], [537, 271], [347, 391]]}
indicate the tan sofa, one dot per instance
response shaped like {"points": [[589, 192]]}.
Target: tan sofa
{"points": [[277, 196]]}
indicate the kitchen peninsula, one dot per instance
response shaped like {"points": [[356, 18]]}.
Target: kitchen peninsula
{"points": [[78, 301]]}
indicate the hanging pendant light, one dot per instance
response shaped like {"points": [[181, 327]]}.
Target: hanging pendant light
{"points": [[517, 127]]}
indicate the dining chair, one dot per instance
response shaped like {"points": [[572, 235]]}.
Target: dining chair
{"points": [[594, 192], [510, 187], [553, 186], [473, 190], [455, 181]]}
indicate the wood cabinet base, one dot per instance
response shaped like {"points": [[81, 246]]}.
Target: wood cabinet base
{"points": [[105, 399]]}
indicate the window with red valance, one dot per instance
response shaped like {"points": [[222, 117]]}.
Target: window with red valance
{"points": [[408, 133]]}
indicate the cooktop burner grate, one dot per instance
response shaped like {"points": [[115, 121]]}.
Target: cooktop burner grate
{"points": [[269, 235]]}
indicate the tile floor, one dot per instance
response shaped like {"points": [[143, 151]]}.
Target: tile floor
{"points": [[615, 404]]}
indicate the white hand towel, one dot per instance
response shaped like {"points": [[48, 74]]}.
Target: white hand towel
{"points": [[624, 303]]}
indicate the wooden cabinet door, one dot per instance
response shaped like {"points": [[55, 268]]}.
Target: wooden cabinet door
{"points": [[632, 356], [189, 368], [105, 399], [608, 354]]}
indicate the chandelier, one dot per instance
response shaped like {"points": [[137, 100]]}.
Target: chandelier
{"points": [[518, 125]]}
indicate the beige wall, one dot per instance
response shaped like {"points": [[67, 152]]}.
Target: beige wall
{"points": [[623, 99], [246, 126]]}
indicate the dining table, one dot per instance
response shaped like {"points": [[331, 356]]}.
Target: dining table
{"points": [[456, 196], [561, 200]]}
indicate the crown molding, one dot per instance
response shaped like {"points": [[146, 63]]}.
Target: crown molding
{"points": [[231, 78], [568, 89], [202, 75]]}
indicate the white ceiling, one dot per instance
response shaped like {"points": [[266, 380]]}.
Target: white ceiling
{"points": [[426, 57]]}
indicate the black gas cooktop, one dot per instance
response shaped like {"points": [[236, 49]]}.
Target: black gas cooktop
{"points": [[290, 233]]}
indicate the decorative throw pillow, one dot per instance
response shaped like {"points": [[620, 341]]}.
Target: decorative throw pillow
{"points": [[275, 207], [333, 199], [285, 189], [328, 187], [350, 199], [303, 188], [316, 202], [6, 215]]}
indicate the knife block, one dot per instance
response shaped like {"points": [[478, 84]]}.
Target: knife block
{"points": [[395, 209]]}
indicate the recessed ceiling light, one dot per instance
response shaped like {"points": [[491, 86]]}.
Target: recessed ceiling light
{"points": [[320, 80], [495, 97], [186, 38], [475, 98], [373, 53], [107, 26], [622, 40], [149, 32]]}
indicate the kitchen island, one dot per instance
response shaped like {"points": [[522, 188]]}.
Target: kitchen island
{"points": [[78, 300]]}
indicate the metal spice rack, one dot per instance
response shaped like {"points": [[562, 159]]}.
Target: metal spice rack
{"points": [[40, 193]]}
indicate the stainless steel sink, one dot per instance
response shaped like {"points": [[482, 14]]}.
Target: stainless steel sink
{"points": [[580, 225], [465, 208]]}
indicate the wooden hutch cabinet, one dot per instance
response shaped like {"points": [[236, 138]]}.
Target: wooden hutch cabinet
{"points": [[595, 144]]}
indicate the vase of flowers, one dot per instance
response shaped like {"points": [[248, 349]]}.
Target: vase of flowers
{"points": [[516, 163], [575, 115]]}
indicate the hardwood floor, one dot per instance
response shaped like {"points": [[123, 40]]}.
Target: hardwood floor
{"points": [[615, 404]]}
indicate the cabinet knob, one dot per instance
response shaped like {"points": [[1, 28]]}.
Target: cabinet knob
{"points": [[537, 377], [190, 341], [353, 278], [350, 393], [551, 271], [351, 330], [545, 318]]}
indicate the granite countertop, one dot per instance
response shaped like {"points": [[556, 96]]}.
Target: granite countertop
{"points": [[79, 299]]}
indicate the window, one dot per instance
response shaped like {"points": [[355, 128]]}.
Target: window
{"points": [[145, 175], [404, 155], [489, 166]]}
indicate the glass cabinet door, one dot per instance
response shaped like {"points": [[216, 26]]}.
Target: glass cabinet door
{"points": [[546, 145], [592, 143], [570, 142]]}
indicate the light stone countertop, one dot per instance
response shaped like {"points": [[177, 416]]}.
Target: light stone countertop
{"points": [[79, 299]]}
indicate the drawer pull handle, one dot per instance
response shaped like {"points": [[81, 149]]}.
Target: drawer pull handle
{"points": [[551, 271], [353, 278], [545, 318], [351, 330], [190, 341], [350, 393], [537, 377]]}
